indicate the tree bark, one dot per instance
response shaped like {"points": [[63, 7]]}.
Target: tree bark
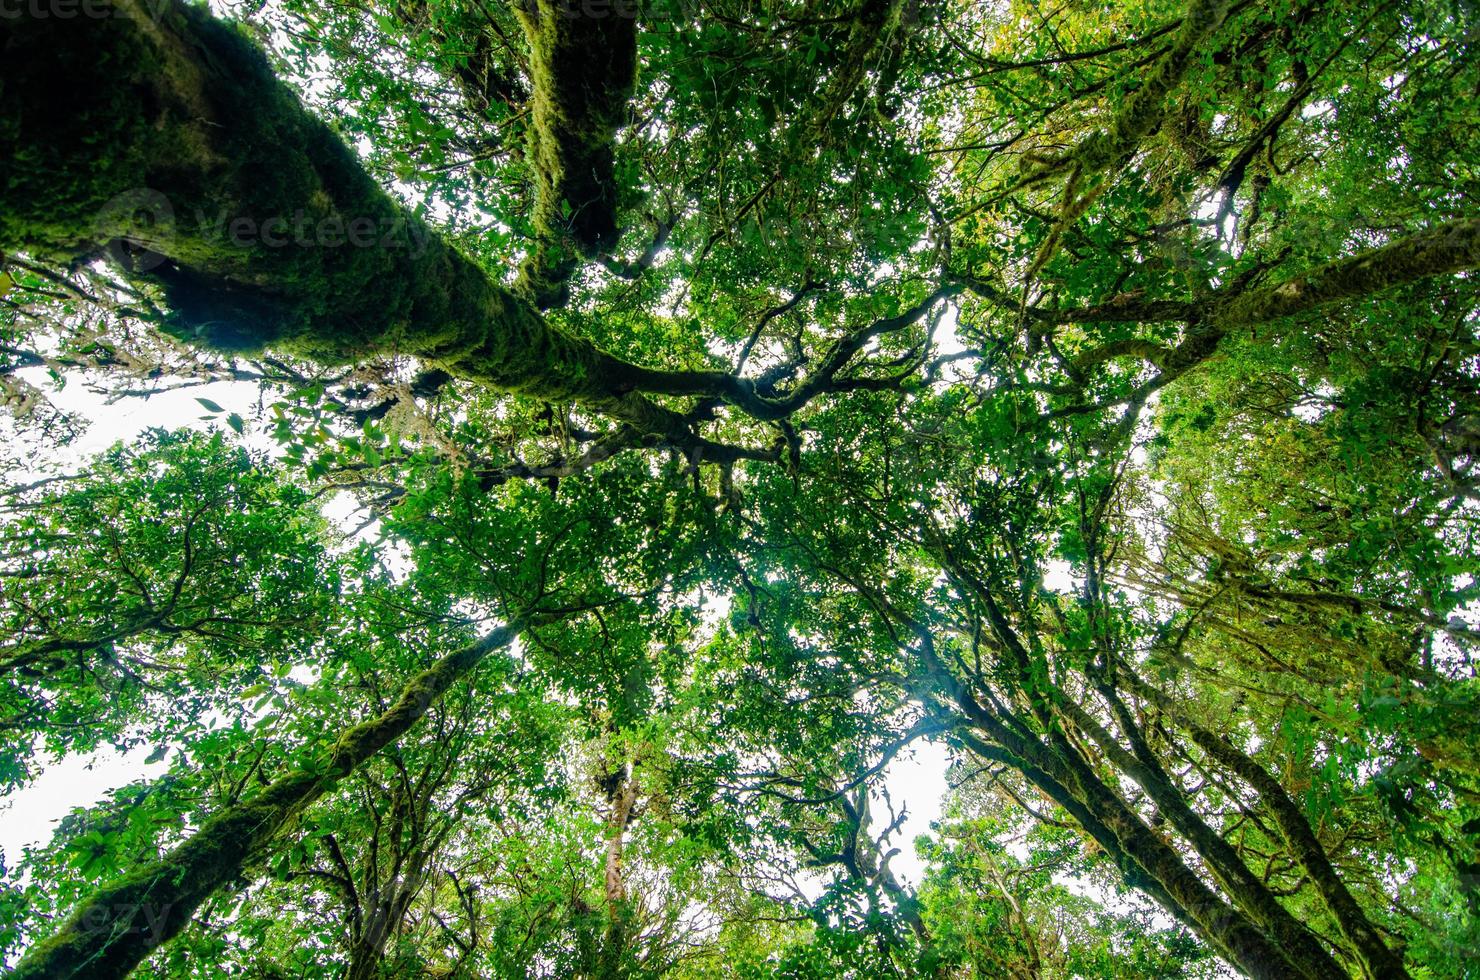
{"points": [[584, 66], [1248, 892], [622, 797], [1380, 962]]}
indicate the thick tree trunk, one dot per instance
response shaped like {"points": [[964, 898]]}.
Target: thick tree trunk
{"points": [[584, 64], [114, 930], [1176, 885], [1246, 889], [160, 136], [1147, 861]]}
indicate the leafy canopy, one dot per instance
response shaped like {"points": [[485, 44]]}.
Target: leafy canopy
{"points": [[733, 400]]}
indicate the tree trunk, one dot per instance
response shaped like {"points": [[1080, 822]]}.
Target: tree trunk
{"points": [[1248, 892], [1146, 860], [166, 141], [386, 913], [1380, 962], [584, 64], [622, 798], [113, 931]]}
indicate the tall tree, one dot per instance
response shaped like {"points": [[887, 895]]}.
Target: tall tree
{"points": [[1089, 391]]}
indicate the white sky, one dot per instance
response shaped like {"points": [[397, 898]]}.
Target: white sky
{"points": [[29, 816], [916, 780]]}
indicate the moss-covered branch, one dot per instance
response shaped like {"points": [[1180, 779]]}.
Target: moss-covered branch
{"points": [[1442, 250], [873, 24], [168, 143], [114, 930], [583, 65], [1141, 111]]}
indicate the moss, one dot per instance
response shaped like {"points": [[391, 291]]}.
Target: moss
{"points": [[190, 109], [584, 68], [265, 198], [50, 102], [1142, 110], [1448, 248]]}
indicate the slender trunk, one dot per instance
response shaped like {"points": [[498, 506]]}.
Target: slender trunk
{"points": [[610, 961], [1054, 790], [387, 912], [108, 935], [1248, 892], [869, 865], [622, 803], [1380, 962], [874, 22], [1260, 936], [1145, 855], [1018, 752]]}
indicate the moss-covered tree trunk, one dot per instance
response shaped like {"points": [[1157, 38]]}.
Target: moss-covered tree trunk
{"points": [[119, 925], [1248, 891], [1050, 761], [160, 136], [1146, 860], [584, 63]]}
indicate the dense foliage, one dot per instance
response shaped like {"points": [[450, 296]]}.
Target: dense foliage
{"points": [[734, 397]]}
